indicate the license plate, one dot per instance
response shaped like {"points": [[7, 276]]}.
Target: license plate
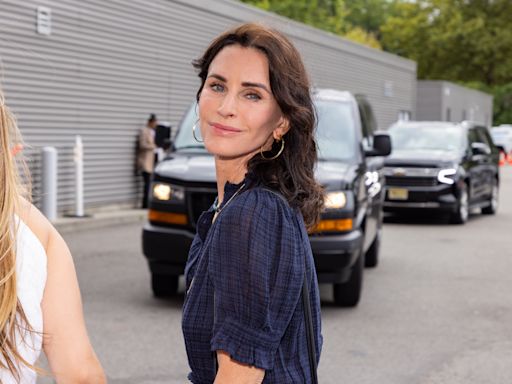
{"points": [[398, 194]]}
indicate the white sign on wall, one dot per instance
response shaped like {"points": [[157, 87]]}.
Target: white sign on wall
{"points": [[388, 88], [44, 20]]}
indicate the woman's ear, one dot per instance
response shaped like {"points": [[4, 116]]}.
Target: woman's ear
{"points": [[282, 128]]}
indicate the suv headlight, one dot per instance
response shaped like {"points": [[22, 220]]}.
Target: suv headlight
{"points": [[335, 200], [167, 192], [445, 176]]}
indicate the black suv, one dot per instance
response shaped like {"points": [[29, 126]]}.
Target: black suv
{"points": [[350, 229], [448, 167]]}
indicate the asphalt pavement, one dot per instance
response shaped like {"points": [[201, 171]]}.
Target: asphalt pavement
{"points": [[437, 309]]}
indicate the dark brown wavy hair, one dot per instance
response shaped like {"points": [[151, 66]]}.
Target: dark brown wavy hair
{"points": [[292, 173]]}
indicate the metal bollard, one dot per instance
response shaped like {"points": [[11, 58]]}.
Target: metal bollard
{"points": [[79, 176], [49, 182]]}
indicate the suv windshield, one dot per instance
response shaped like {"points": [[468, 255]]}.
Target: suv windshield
{"points": [[184, 138], [427, 137], [335, 132]]}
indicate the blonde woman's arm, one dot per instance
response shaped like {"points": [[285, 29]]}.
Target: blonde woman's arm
{"points": [[66, 343]]}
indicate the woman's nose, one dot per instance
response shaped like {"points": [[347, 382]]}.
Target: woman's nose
{"points": [[227, 107]]}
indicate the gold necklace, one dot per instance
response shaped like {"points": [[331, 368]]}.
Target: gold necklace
{"points": [[217, 209]]}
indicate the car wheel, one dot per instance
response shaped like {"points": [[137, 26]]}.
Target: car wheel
{"points": [[164, 285], [460, 216], [371, 258], [349, 293], [492, 208]]}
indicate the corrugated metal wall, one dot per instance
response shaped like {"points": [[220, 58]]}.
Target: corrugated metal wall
{"points": [[430, 102], [108, 64], [442, 100]]}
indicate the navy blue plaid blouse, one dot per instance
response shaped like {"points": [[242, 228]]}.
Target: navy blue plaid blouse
{"points": [[244, 280]]}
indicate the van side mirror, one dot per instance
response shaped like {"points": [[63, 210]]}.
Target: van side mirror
{"points": [[480, 149], [381, 145]]}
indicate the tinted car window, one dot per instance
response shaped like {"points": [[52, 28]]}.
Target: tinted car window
{"points": [[367, 116], [336, 131], [473, 136], [484, 136], [424, 137]]}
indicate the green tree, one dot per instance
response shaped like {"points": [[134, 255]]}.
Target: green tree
{"points": [[457, 40], [503, 104], [356, 20], [328, 15], [368, 15], [359, 35]]}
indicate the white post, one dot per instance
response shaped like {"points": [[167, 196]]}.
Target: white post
{"points": [[49, 183], [78, 152]]}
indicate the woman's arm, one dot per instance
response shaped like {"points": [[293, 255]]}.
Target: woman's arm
{"points": [[233, 372], [65, 341]]}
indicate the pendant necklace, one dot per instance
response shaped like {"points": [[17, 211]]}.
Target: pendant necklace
{"points": [[217, 209]]}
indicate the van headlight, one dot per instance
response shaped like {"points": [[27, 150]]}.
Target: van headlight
{"points": [[167, 192], [445, 176], [335, 200]]}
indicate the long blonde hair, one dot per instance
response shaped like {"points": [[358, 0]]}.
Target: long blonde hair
{"points": [[12, 317]]}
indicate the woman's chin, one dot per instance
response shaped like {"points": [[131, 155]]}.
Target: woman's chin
{"points": [[230, 154]]}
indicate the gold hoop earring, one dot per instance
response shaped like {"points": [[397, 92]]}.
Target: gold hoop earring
{"points": [[194, 134], [275, 156]]}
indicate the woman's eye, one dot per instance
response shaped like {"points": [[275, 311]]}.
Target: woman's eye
{"points": [[216, 87], [253, 96]]}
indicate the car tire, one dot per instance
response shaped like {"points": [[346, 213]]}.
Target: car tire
{"points": [[349, 293], [460, 216], [164, 285], [492, 208], [371, 258]]}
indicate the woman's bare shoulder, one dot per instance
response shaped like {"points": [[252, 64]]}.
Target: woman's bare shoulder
{"points": [[36, 221]]}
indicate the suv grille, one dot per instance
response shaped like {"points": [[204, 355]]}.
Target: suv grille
{"points": [[199, 202], [405, 181]]}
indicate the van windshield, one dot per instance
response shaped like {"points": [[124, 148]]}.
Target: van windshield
{"points": [[184, 138], [335, 132], [427, 137]]}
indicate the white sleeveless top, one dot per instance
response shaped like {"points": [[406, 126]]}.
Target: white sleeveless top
{"points": [[31, 265]]}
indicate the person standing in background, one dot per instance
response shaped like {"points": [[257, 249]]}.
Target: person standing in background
{"points": [[146, 155]]}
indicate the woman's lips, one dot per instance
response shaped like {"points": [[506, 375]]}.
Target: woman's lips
{"points": [[224, 129]]}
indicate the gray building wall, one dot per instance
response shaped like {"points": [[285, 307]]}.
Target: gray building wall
{"points": [[108, 64], [445, 101]]}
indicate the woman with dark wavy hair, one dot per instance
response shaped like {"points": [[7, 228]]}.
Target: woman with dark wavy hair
{"points": [[251, 261]]}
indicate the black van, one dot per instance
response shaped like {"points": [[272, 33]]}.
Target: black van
{"points": [[348, 235]]}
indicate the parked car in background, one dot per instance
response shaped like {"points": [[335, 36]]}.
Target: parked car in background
{"points": [[348, 235], [502, 138], [447, 167]]}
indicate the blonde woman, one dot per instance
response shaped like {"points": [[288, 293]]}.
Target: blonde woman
{"points": [[40, 304]]}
